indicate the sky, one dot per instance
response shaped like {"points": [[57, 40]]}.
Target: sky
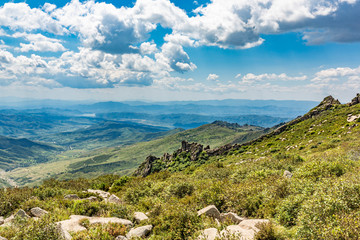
{"points": [[161, 50]]}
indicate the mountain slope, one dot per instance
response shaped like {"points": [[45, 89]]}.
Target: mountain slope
{"points": [[22, 152], [123, 160], [108, 134]]}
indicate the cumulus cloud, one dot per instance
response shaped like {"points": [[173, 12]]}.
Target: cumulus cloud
{"points": [[251, 78], [212, 77], [39, 42], [19, 16]]}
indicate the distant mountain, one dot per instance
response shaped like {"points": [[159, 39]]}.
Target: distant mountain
{"points": [[22, 152], [187, 121], [108, 134], [40, 122]]}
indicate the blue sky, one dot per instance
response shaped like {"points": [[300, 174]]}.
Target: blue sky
{"points": [[180, 50]]}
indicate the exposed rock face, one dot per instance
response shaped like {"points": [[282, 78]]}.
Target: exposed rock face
{"points": [[113, 199], [210, 211], [91, 199], [355, 100], [140, 217], [72, 197], [38, 212], [145, 168], [139, 232], [102, 194], [231, 217], [73, 224], [209, 234], [21, 214], [287, 174], [246, 229], [352, 118], [121, 238]]}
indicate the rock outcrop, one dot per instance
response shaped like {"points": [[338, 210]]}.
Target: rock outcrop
{"points": [[231, 217], [246, 230], [140, 217], [73, 224], [113, 199], [38, 212], [209, 234], [21, 214], [355, 100], [210, 211], [139, 232], [72, 197], [100, 193]]}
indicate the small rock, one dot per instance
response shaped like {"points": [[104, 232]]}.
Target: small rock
{"points": [[73, 224], [246, 229], [287, 174], [121, 238], [353, 118], [210, 211], [91, 199], [209, 234], [21, 214], [102, 194], [231, 217], [2, 238], [139, 217], [72, 197], [139, 232], [113, 199], [251, 223], [1, 220], [65, 235], [38, 212]]}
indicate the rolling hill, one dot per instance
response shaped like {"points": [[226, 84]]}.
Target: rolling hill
{"points": [[23, 152], [123, 160], [303, 176], [107, 134]]}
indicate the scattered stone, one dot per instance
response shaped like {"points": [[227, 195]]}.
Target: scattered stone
{"points": [[210, 211], [113, 199], [246, 229], [231, 217], [1, 220], [139, 232], [102, 194], [65, 235], [121, 238], [209, 234], [91, 199], [72, 197], [2, 238], [353, 118], [287, 174], [21, 214], [38, 212], [140, 217], [237, 232], [73, 224]]}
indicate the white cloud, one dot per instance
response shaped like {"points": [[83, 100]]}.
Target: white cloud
{"points": [[251, 78], [148, 48], [20, 16], [39, 42], [335, 74], [212, 77]]}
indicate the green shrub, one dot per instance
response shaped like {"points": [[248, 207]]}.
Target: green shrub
{"points": [[180, 190]]}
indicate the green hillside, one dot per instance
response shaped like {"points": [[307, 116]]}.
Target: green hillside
{"points": [[108, 134], [123, 160], [318, 198], [22, 152]]}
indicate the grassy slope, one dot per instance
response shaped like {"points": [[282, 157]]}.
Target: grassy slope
{"points": [[124, 160], [320, 201], [22, 152], [107, 134]]}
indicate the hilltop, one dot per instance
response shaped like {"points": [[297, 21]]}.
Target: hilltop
{"points": [[302, 176]]}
